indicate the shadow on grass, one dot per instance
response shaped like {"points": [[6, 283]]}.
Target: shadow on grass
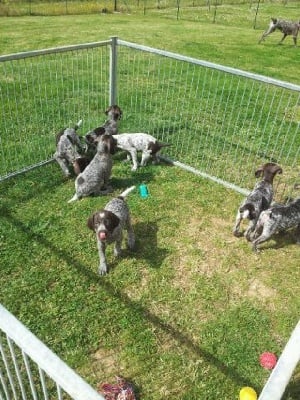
{"points": [[280, 240], [183, 339], [146, 247], [293, 390]]}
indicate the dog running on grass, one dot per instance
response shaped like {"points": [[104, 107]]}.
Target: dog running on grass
{"points": [[286, 27]]}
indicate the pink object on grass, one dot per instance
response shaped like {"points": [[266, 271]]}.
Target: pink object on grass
{"points": [[268, 360]]}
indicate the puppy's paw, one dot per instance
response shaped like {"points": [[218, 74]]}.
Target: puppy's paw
{"points": [[102, 269]]}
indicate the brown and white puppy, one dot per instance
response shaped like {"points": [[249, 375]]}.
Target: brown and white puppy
{"points": [[259, 199], [108, 224], [133, 143], [114, 114], [68, 146], [95, 178], [277, 218]]}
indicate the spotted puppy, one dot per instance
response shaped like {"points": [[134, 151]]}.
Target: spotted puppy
{"points": [[286, 27], [132, 143], [275, 219], [67, 154], [110, 126], [109, 223], [259, 199], [114, 114], [95, 178]]}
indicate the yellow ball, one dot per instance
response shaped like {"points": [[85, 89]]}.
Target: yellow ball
{"points": [[247, 393]]}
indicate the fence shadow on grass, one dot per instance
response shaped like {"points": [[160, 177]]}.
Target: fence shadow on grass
{"points": [[183, 339]]}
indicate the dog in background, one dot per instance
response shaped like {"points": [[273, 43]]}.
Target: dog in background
{"points": [[277, 218], [95, 178], [286, 27], [108, 224], [258, 200]]}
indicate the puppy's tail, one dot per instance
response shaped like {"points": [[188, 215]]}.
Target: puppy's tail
{"points": [[74, 198], [77, 126], [124, 194]]}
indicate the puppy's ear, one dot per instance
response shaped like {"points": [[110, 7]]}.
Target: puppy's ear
{"points": [[59, 135], [279, 170], [91, 222], [259, 172], [99, 131]]}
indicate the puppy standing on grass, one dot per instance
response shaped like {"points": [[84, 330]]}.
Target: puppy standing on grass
{"points": [[286, 27], [109, 223], [277, 218], [133, 143], [67, 145], [95, 178], [259, 199]]}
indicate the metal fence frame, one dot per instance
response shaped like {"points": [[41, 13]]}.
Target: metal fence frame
{"points": [[113, 82], [16, 372], [18, 334]]}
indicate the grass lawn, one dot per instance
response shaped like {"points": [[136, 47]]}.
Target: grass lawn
{"points": [[186, 315], [227, 41]]}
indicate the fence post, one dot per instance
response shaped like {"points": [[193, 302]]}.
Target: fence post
{"points": [[113, 71], [65, 378], [282, 373]]}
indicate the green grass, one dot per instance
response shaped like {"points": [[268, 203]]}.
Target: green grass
{"points": [[225, 42], [186, 315]]}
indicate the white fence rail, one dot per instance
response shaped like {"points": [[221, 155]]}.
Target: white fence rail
{"points": [[220, 121], [30, 370], [282, 373]]}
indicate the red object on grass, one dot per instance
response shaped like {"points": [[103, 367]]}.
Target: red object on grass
{"points": [[121, 390], [268, 360]]}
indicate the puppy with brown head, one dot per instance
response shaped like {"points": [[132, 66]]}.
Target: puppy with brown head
{"points": [[259, 199], [108, 225]]}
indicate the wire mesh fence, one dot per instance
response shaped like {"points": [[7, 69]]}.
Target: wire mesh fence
{"points": [[220, 121], [212, 11], [29, 370], [44, 91]]}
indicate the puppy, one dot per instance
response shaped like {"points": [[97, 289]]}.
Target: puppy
{"points": [[110, 127], [286, 27], [277, 218], [132, 143], [68, 145], [109, 223], [94, 179], [259, 199], [114, 114]]}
